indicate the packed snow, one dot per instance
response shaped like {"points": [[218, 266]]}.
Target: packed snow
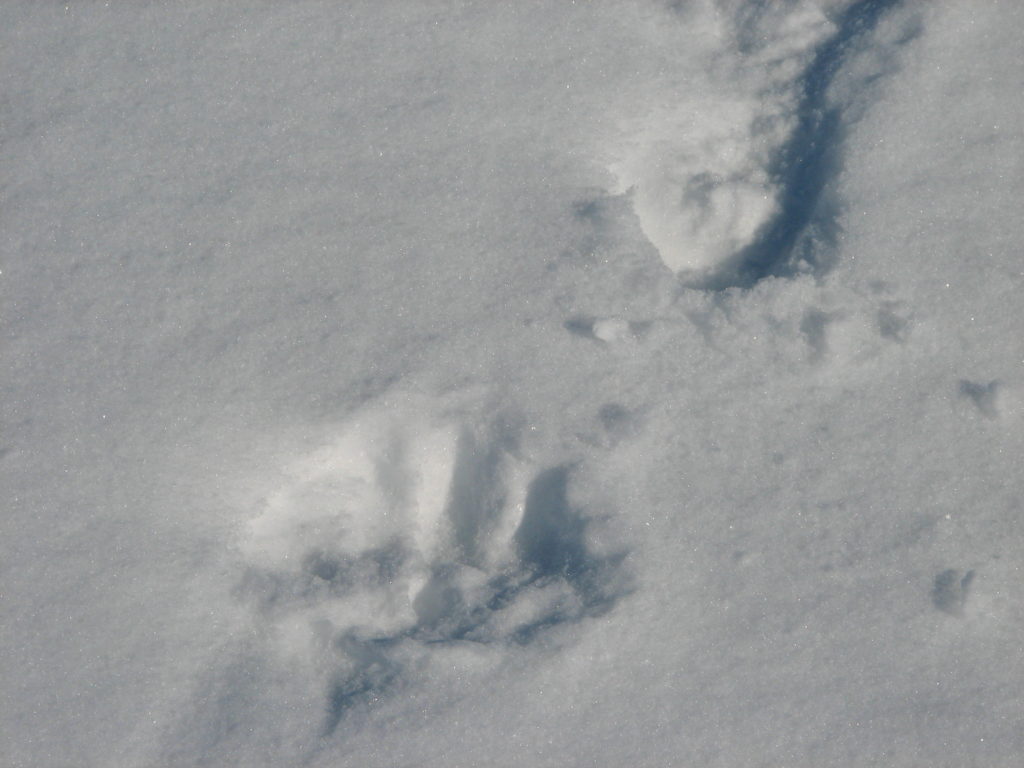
{"points": [[461, 383]]}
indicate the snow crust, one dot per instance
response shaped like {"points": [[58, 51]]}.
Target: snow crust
{"points": [[461, 383]]}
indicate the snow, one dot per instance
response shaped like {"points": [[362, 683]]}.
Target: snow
{"points": [[462, 383]]}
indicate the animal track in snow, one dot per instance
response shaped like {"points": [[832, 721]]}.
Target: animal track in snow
{"points": [[950, 590], [893, 321], [733, 186], [412, 531], [996, 400], [983, 396]]}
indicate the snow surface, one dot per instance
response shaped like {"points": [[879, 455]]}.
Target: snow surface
{"points": [[466, 383]]}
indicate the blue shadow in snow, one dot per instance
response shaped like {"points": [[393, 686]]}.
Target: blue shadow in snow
{"points": [[550, 545], [804, 167]]}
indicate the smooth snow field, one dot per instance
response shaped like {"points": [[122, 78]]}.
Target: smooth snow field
{"points": [[538, 383]]}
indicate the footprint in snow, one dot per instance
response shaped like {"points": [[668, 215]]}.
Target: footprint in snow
{"points": [[410, 533]]}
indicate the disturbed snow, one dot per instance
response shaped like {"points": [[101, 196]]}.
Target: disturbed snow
{"points": [[540, 384]]}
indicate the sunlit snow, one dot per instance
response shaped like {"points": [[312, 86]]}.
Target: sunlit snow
{"points": [[462, 383]]}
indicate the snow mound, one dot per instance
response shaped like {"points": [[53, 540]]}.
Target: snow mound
{"points": [[700, 183]]}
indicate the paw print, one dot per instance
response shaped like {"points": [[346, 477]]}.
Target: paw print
{"points": [[411, 532]]}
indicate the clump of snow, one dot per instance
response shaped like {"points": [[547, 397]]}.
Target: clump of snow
{"points": [[699, 182]]}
